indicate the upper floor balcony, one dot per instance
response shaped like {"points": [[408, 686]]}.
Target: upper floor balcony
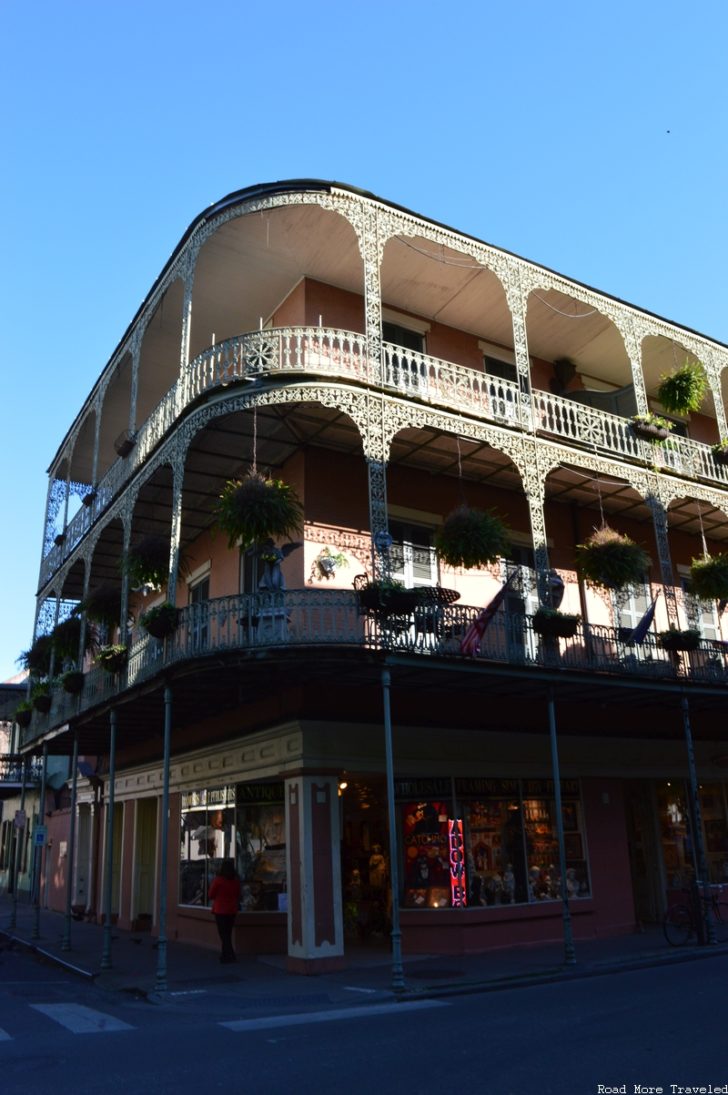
{"points": [[306, 624], [285, 355], [16, 770]]}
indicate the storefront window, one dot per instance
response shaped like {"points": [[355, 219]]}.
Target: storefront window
{"points": [[207, 837], [244, 823], [510, 841], [678, 853]]}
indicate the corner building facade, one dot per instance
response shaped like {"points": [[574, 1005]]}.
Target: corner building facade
{"points": [[387, 367]]}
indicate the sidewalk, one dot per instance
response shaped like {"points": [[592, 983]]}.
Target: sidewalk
{"points": [[263, 982]]}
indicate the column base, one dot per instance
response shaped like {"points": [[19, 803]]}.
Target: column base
{"points": [[309, 967]]}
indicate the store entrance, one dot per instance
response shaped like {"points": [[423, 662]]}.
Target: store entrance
{"points": [[365, 862], [644, 854]]}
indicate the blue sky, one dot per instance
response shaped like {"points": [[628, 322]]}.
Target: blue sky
{"points": [[589, 138]]}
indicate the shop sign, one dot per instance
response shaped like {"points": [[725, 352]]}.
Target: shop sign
{"points": [[497, 788], [422, 788], [544, 788], [458, 888], [248, 793]]}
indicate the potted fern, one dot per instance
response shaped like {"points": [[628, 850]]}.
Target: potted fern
{"points": [[256, 508], [386, 596], [102, 606], [471, 537], [709, 577], [682, 391], [720, 452], [610, 559], [160, 621]]}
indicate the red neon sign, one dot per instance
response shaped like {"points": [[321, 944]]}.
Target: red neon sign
{"points": [[458, 889]]}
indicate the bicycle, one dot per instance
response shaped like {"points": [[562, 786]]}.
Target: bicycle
{"points": [[683, 922]]}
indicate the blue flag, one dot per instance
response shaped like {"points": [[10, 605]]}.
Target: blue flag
{"points": [[638, 633]]}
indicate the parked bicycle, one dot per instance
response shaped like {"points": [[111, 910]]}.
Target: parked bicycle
{"points": [[688, 921]]}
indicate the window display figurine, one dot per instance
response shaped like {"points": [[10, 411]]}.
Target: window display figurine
{"points": [[377, 868], [509, 885], [572, 885]]}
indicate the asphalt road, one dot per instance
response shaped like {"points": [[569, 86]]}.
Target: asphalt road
{"points": [[653, 1028]]}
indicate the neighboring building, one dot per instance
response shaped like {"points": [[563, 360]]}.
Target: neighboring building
{"points": [[386, 367]]}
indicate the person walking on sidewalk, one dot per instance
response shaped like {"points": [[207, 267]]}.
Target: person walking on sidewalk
{"points": [[225, 897]]}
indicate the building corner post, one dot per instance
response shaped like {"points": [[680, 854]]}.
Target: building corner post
{"points": [[160, 984], [569, 950], [398, 984]]}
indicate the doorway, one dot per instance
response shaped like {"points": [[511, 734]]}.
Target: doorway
{"points": [[644, 852], [365, 863], [145, 859]]}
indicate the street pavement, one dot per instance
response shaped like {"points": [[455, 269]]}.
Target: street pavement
{"points": [[265, 987]]}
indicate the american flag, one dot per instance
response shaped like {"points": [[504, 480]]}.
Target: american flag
{"points": [[470, 643]]}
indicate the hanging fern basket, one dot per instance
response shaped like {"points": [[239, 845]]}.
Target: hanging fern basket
{"points": [[256, 508], [147, 562], [72, 682], [679, 640], [611, 560], [709, 578], [471, 538], [682, 391], [160, 621]]}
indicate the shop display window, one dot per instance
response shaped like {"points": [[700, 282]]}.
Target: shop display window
{"points": [[510, 842], [678, 852], [244, 823]]}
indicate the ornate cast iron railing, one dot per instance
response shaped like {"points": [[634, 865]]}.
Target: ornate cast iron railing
{"points": [[11, 769], [311, 619]]}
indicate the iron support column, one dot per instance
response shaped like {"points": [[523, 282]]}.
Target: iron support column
{"points": [[18, 847], [569, 951], [109, 856], [697, 819], [66, 944], [38, 849], [397, 970], [161, 981]]}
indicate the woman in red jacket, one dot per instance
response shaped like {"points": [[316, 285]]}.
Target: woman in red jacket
{"points": [[224, 894]]}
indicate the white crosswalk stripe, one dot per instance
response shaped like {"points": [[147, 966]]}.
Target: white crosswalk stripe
{"points": [[81, 1020], [4, 1036], [330, 1016]]}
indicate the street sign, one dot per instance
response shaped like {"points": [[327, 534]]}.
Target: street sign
{"points": [[20, 819], [40, 835]]}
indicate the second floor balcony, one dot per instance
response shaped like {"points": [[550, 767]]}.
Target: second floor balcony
{"points": [[305, 624]]}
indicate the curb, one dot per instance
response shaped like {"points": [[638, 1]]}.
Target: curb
{"points": [[48, 955]]}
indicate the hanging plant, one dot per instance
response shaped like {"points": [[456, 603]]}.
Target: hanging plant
{"points": [[72, 682], [37, 659], [471, 537], [679, 640], [683, 390], [257, 508], [720, 452], [24, 713], [112, 658], [709, 577], [147, 562], [160, 621], [103, 606], [652, 427], [550, 621], [67, 636], [327, 562], [611, 560], [40, 696]]}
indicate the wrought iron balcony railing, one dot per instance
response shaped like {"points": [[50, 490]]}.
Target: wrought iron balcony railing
{"points": [[312, 619], [11, 769], [321, 351]]}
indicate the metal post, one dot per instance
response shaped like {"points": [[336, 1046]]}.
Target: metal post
{"points": [[66, 943], [109, 856], [18, 845], [38, 849], [398, 984], [161, 981], [569, 951], [696, 814]]}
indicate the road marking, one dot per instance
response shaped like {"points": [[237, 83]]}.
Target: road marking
{"points": [[4, 1036], [353, 988], [331, 1016], [81, 1020]]}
